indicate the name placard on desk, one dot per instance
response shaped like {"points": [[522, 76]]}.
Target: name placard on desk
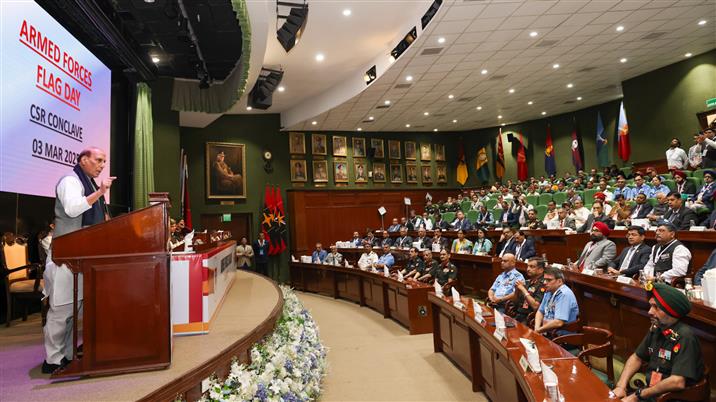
{"points": [[624, 279], [589, 272], [499, 334], [524, 364]]}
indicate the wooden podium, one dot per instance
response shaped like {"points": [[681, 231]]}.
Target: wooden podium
{"points": [[124, 263]]}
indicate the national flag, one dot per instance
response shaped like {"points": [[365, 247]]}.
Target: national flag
{"points": [[550, 165], [461, 165], [623, 135], [280, 219], [601, 141], [522, 170], [483, 169], [267, 222], [576, 149], [184, 184], [500, 161]]}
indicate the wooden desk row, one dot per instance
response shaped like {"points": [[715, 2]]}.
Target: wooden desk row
{"points": [[493, 366], [404, 302]]}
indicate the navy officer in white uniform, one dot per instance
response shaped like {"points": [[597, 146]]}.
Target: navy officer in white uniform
{"points": [[79, 203]]}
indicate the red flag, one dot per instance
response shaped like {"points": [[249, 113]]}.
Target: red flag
{"points": [[522, 171], [623, 135], [576, 155], [549, 163], [500, 161], [186, 209], [268, 217], [280, 218]]}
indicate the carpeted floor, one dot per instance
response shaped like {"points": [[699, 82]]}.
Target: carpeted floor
{"points": [[375, 359]]}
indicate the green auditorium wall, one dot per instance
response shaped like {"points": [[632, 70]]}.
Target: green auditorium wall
{"points": [[166, 142]]}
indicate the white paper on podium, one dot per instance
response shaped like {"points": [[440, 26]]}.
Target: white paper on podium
{"points": [[293, 258], [708, 284], [499, 321], [478, 311], [386, 272], [438, 289], [532, 354], [400, 276], [455, 297]]}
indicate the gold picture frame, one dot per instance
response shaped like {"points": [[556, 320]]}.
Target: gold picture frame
{"points": [[340, 171], [396, 173], [358, 147], [393, 149], [360, 170], [411, 173], [426, 152], [379, 173], [378, 148], [411, 150], [340, 145], [320, 171], [297, 143], [318, 144], [225, 170], [298, 170], [427, 174], [440, 152], [442, 173]]}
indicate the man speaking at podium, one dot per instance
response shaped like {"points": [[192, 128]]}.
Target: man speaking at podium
{"points": [[79, 203]]}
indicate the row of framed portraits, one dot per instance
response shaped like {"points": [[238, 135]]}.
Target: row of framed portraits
{"points": [[398, 172], [319, 146]]}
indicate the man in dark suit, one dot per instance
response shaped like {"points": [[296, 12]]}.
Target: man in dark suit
{"points": [[524, 248], [404, 241], [507, 218], [386, 240], [261, 249], [678, 214], [682, 185], [506, 244], [439, 222], [710, 222], [461, 222], [642, 209], [484, 217], [633, 258]]}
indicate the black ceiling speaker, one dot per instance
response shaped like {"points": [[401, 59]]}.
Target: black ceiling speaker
{"points": [[261, 95], [294, 24]]}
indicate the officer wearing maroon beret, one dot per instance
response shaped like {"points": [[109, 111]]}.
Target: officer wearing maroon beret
{"points": [[670, 349]]}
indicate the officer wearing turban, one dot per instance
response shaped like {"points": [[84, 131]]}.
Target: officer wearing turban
{"points": [[670, 349]]}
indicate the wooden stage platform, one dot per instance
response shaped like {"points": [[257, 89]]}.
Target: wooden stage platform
{"points": [[250, 311]]}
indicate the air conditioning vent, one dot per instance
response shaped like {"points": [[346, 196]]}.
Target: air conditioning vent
{"points": [[586, 69], [547, 43], [403, 86], [568, 102], [467, 99], [498, 77], [431, 51], [654, 35], [382, 106]]}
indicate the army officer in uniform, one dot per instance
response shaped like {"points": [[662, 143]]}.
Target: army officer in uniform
{"points": [[446, 274], [414, 265], [670, 349]]}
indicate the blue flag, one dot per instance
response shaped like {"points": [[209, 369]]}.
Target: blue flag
{"points": [[601, 141], [549, 163]]}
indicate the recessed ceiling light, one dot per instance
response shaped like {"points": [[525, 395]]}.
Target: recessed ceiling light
{"points": [[149, 1], [281, 89], [248, 108], [702, 22], [441, 39], [454, 120], [320, 57], [426, 113], [451, 96], [435, 129], [620, 28], [371, 118], [533, 34], [483, 72], [688, 55], [503, 124], [407, 125], [479, 108], [347, 12], [555, 65], [579, 98], [499, 116], [530, 102], [314, 122], [511, 90], [359, 129], [623, 60], [544, 113], [570, 85], [155, 59], [409, 78], [387, 102]]}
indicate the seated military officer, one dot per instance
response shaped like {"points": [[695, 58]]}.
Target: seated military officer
{"points": [[414, 265], [558, 307], [670, 349], [503, 289], [446, 274], [529, 295], [430, 268]]}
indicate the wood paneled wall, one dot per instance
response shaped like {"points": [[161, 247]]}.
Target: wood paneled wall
{"points": [[332, 215]]}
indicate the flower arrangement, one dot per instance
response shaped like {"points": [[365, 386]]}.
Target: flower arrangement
{"points": [[288, 365]]}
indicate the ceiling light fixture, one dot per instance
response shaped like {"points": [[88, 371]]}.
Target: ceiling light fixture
{"points": [[512, 90], [530, 102], [544, 113], [347, 12], [702, 22], [320, 57], [359, 129], [426, 113], [533, 34], [570, 85], [386, 102], [441, 39], [555, 66], [620, 28], [370, 75], [314, 122], [248, 108], [688, 55], [499, 116], [155, 59], [454, 120], [407, 125], [281, 89], [404, 44], [579, 98], [371, 118], [623, 60], [503, 124], [435, 129], [451, 96], [483, 72], [479, 108], [409, 78]]}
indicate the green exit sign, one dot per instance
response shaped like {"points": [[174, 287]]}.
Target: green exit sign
{"points": [[226, 217], [711, 102]]}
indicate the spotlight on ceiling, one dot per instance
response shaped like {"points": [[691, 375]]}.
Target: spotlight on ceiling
{"points": [[261, 94], [404, 44], [294, 24], [370, 75], [425, 20]]}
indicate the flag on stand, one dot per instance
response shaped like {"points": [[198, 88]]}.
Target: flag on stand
{"points": [[267, 224], [280, 217], [576, 149], [184, 184], [500, 162], [522, 170], [623, 135], [483, 169], [550, 165], [602, 149], [273, 223], [461, 165]]}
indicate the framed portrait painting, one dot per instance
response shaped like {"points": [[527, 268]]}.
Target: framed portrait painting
{"points": [[411, 173], [440, 152], [410, 150], [340, 147], [225, 170], [297, 143], [426, 153], [379, 172], [396, 173], [320, 171], [442, 173], [340, 172], [298, 170], [358, 147], [427, 174], [360, 169], [318, 144], [377, 145], [393, 149]]}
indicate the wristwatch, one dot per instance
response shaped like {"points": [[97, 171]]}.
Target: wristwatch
{"points": [[638, 395]]}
